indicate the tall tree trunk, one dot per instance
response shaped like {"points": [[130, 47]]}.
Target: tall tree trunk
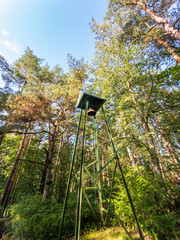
{"points": [[1, 138], [48, 177], [148, 136], [43, 177], [29, 138], [131, 157], [103, 172], [11, 178], [167, 144], [58, 157], [129, 151], [34, 158], [107, 168], [52, 140], [151, 146]]}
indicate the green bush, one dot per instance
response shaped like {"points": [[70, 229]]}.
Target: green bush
{"points": [[153, 200], [33, 218]]}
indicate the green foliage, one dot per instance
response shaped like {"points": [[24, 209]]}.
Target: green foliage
{"points": [[139, 20], [34, 218], [142, 105], [7, 154], [154, 202]]}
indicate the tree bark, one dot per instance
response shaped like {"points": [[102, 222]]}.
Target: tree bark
{"points": [[1, 138], [103, 172], [167, 27], [151, 146], [34, 158], [107, 169], [11, 178], [58, 158], [167, 144], [129, 151], [171, 30], [43, 177], [131, 157], [170, 50], [149, 139], [52, 140], [21, 167], [48, 177]]}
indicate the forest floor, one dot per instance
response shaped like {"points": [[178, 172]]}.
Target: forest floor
{"points": [[109, 234], [113, 233]]}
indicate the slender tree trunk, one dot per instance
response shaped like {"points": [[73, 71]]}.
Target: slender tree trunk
{"points": [[34, 159], [52, 140], [151, 147], [131, 157], [58, 157], [107, 169], [48, 177], [129, 151], [72, 184], [148, 136], [1, 138], [29, 138], [103, 172], [16, 184], [11, 178], [6, 195], [167, 144], [43, 178]]}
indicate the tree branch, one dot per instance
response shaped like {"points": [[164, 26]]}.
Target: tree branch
{"points": [[160, 20], [170, 50], [31, 161], [168, 28], [13, 131]]}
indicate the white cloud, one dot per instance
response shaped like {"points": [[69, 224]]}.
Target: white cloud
{"points": [[5, 33], [11, 46]]}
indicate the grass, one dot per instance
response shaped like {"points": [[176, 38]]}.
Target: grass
{"points": [[106, 234], [110, 234]]}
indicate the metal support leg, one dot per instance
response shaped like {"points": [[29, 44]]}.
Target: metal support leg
{"points": [[112, 185], [69, 180], [78, 219], [85, 195], [109, 205], [98, 176], [123, 178]]}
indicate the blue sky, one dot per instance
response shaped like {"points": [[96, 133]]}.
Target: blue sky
{"points": [[51, 28]]}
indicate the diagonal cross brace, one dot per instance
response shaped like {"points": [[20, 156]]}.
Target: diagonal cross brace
{"points": [[109, 205], [106, 165], [85, 196]]}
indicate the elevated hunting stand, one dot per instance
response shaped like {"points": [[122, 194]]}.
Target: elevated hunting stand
{"points": [[91, 104]]}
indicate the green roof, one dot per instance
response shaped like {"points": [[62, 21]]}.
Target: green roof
{"points": [[94, 101]]}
